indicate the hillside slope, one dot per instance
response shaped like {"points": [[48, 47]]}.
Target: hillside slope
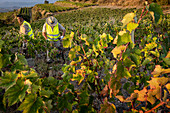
{"points": [[125, 2]]}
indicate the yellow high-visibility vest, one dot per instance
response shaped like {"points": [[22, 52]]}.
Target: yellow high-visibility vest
{"points": [[30, 31], [53, 34]]}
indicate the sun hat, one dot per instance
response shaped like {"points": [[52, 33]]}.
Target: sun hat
{"points": [[51, 21]]}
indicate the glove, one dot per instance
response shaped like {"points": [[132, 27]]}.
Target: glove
{"points": [[61, 37]]}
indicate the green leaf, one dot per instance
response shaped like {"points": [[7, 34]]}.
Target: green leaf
{"points": [[31, 104], [95, 50], [67, 41], [121, 70], [157, 11], [21, 59], [135, 58], [8, 80], [127, 62], [49, 105], [147, 60], [131, 26], [1, 61], [1, 43], [29, 74], [46, 93], [84, 98], [78, 76], [128, 18], [72, 54], [166, 60], [16, 93], [123, 38], [6, 60], [107, 107], [77, 48]]}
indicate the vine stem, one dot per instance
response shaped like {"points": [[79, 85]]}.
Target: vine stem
{"points": [[160, 104], [142, 17], [123, 51]]}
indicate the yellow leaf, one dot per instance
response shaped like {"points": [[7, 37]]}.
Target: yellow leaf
{"points": [[114, 68], [157, 71], [164, 71], [110, 37], [28, 82], [127, 18], [152, 13], [162, 80], [115, 40], [122, 32], [103, 35], [72, 34], [153, 83], [73, 63], [168, 55], [120, 98], [150, 98], [118, 50], [133, 96], [168, 86], [141, 94]]}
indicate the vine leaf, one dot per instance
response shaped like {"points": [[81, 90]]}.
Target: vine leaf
{"points": [[122, 71], [117, 50], [121, 98], [141, 94], [74, 63], [1, 43], [147, 60], [123, 38], [31, 104], [158, 71], [48, 106], [168, 86], [28, 74], [150, 97], [107, 107], [72, 54], [1, 61], [17, 92], [79, 76], [127, 18], [156, 11], [8, 80], [104, 91], [131, 26], [135, 58], [67, 40], [46, 93], [84, 98], [114, 86]]}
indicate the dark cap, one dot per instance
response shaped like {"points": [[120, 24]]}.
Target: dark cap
{"points": [[20, 15]]}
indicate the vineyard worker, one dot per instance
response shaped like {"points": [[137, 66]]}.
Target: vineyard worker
{"points": [[25, 29], [51, 32]]}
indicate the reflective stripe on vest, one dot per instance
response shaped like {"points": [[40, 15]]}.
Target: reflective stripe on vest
{"points": [[52, 34], [30, 31]]}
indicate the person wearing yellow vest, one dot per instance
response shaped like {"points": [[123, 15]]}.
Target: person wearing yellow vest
{"points": [[25, 29], [51, 32]]}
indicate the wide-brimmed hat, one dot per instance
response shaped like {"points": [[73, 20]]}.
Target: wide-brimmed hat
{"points": [[51, 21]]}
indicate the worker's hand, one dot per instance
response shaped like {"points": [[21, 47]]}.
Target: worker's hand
{"points": [[61, 37]]}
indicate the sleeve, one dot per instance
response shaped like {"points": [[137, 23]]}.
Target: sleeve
{"points": [[61, 27], [44, 28]]}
